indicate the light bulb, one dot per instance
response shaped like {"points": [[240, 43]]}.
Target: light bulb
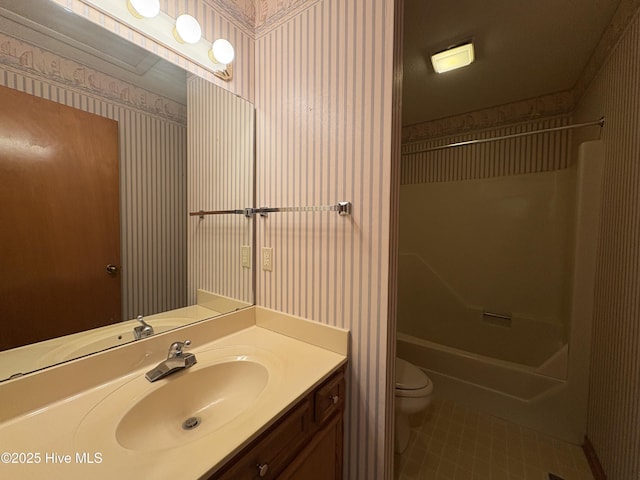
{"points": [[144, 8], [222, 52], [187, 29]]}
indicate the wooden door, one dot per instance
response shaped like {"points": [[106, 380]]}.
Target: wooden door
{"points": [[59, 220]]}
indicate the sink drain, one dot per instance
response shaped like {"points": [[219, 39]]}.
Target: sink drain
{"points": [[191, 423]]}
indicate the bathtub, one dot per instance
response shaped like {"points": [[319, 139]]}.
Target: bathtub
{"points": [[510, 379], [493, 367], [515, 392]]}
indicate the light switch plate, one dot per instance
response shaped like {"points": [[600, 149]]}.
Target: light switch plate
{"points": [[267, 259], [246, 256]]}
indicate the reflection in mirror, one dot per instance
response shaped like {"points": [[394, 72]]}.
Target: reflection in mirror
{"points": [[104, 149]]}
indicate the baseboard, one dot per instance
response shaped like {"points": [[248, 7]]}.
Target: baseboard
{"points": [[594, 461]]}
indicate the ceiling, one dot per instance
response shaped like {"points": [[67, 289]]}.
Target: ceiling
{"points": [[49, 26], [523, 49]]}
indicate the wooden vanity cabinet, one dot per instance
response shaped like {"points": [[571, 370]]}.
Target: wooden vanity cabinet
{"points": [[305, 444]]}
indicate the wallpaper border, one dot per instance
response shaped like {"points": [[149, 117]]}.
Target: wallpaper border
{"points": [[245, 17], [31, 59], [266, 22], [538, 108]]}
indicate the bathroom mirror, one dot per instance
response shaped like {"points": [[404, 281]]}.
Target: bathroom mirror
{"points": [[181, 145]]}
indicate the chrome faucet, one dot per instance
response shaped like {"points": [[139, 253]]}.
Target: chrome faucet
{"points": [[176, 360], [142, 331]]}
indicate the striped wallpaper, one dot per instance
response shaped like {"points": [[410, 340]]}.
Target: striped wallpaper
{"points": [[394, 230], [153, 202], [152, 194], [613, 423], [324, 90], [216, 22], [515, 156], [220, 175], [321, 75]]}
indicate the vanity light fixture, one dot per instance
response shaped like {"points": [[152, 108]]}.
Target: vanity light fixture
{"points": [[221, 52], [453, 58], [144, 8], [182, 35], [187, 29]]}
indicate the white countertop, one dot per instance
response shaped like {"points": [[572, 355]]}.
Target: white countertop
{"points": [[60, 437]]}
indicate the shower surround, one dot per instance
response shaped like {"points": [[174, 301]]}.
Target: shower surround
{"points": [[489, 302]]}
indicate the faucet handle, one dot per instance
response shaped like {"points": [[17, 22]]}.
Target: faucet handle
{"points": [[175, 350], [143, 330]]}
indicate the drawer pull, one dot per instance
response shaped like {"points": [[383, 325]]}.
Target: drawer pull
{"points": [[334, 398], [263, 468]]}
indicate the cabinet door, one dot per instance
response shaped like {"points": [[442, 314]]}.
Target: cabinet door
{"points": [[322, 458], [274, 451]]}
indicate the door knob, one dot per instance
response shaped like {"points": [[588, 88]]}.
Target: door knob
{"points": [[112, 269]]}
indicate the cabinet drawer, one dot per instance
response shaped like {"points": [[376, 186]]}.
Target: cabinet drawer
{"points": [[271, 454], [329, 398]]}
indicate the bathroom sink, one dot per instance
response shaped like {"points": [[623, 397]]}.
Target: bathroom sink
{"points": [[99, 339], [191, 403], [223, 389]]}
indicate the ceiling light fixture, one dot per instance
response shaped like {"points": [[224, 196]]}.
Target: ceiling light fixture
{"points": [[221, 52], [144, 8], [453, 58], [187, 29]]}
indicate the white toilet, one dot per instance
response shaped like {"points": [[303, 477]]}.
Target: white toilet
{"points": [[413, 395]]}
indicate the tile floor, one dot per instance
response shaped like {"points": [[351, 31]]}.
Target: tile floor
{"points": [[452, 442]]}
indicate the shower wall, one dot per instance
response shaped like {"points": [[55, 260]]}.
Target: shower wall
{"points": [[500, 380], [492, 236]]}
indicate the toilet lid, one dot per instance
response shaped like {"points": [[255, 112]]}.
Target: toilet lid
{"points": [[409, 377]]}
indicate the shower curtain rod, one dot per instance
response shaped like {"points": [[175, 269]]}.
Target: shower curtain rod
{"points": [[513, 135]]}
